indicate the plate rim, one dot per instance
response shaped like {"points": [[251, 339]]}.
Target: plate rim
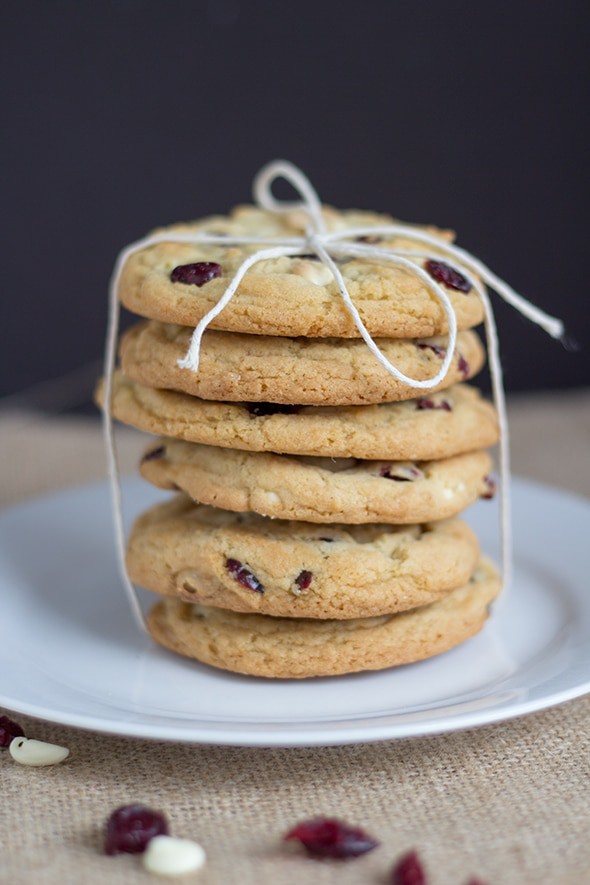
{"points": [[290, 734]]}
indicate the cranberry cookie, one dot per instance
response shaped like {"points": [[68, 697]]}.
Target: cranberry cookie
{"points": [[322, 490], [306, 371], [436, 425], [179, 282], [244, 562]]}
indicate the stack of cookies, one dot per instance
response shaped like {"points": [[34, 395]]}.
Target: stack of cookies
{"points": [[314, 530]]}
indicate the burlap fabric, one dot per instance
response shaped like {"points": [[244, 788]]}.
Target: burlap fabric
{"points": [[508, 802]]}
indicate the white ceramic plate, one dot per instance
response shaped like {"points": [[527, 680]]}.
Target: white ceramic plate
{"points": [[70, 651]]}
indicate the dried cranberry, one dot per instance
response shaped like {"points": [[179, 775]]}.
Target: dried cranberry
{"points": [[243, 575], [9, 729], [490, 488], [260, 409], [303, 579], [154, 455], [130, 828], [435, 348], [328, 837], [463, 366], [444, 273], [196, 274], [426, 403], [370, 239], [408, 871]]}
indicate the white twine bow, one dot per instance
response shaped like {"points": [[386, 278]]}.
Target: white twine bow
{"points": [[328, 246]]}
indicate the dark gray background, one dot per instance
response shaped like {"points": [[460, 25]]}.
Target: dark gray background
{"points": [[120, 116]]}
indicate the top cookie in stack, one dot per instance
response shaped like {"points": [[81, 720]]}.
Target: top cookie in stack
{"points": [[291, 296], [315, 531]]}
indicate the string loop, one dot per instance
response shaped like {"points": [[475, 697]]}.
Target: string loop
{"points": [[310, 202]]}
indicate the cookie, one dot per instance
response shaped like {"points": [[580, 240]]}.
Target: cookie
{"points": [[308, 371], [433, 426], [294, 649], [319, 489], [290, 296], [247, 563]]}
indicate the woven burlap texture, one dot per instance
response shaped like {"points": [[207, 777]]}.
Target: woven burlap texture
{"points": [[508, 803]]}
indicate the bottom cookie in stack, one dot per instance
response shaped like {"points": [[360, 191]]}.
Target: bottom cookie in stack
{"points": [[296, 648]]}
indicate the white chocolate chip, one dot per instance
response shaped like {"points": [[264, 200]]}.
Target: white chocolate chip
{"points": [[167, 856], [30, 752], [314, 271], [404, 471]]}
